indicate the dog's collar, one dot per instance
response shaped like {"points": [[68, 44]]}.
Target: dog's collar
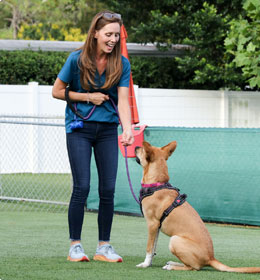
{"points": [[151, 185]]}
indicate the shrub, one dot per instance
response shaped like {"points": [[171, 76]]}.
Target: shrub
{"points": [[50, 32], [21, 67], [243, 42]]}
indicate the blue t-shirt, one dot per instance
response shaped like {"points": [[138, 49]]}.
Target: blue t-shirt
{"points": [[70, 74]]}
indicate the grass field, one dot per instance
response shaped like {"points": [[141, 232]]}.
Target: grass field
{"points": [[34, 246], [50, 186]]}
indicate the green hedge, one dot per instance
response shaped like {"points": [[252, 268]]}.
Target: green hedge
{"points": [[21, 67]]}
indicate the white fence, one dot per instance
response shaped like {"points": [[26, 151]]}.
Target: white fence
{"points": [[37, 145], [156, 107], [198, 108], [30, 99]]}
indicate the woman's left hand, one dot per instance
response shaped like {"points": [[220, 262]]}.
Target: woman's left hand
{"points": [[127, 137]]}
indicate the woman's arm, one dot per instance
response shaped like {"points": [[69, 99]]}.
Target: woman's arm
{"points": [[125, 116], [58, 91]]}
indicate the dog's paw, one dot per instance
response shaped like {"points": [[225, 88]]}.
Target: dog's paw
{"points": [[143, 265], [167, 267], [172, 265]]}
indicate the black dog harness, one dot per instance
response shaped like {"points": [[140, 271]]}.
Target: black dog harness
{"points": [[179, 200]]}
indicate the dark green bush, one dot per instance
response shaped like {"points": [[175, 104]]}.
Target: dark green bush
{"points": [[158, 72], [22, 67]]}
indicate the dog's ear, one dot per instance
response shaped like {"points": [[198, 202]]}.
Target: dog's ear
{"points": [[169, 149], [148, 151]]}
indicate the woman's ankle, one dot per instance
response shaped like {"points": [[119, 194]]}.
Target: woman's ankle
{"points": [[73, 242], [100, 243]]}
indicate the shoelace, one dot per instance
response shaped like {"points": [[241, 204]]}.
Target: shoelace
{"points": [[78, 249], [110, 249]]}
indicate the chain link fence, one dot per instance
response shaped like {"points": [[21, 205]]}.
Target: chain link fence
{"points": [[34, 168], [217, 167]]}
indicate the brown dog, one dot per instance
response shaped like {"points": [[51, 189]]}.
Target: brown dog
{"points": [[190, 240]]}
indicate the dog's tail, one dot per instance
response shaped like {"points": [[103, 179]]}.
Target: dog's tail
{"points": [[222, 267]]}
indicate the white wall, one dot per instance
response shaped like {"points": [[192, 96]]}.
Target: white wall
{"points": [[30, 99], [244, 109], [180, 107], [198, 108], [25, 147], [156, 107]]}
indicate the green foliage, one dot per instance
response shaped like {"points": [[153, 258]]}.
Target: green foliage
{"points": [[21, 67], [5, 13], [206, 35], [201, 24], [202, 27], [14, 12], [150, 72], [50, 32], [224, 35], [64, 13], [243, 42], [6, 33]]}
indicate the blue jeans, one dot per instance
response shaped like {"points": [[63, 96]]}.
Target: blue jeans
{"points": [[103, 139]]}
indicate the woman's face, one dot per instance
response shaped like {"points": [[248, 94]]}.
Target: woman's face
{"points": [[107, 37]]}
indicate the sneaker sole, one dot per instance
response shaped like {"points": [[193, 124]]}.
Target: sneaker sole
{"points": [[83, 259], [104, 259]]}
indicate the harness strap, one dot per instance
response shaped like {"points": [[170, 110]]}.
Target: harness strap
{"points": [[151, 185], [179, 200], [144, 192]]}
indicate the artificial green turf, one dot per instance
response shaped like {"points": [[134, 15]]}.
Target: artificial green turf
{"points": [[34, 246]]}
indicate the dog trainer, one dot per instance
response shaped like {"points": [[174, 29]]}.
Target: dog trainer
{"points": [[95, 77]]}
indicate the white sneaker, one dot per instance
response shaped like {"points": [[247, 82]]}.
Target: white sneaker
{"points": [[76, 254], [106, 253]]}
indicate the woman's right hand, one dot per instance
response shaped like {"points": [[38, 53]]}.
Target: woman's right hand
{"points": [[97, 98], [58, 91]]}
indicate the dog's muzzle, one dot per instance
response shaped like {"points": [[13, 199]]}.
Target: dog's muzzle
{"points": [[136, 157], [138, 160]]}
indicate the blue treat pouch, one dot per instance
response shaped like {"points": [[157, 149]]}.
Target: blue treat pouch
{"points": [[76, 124]]}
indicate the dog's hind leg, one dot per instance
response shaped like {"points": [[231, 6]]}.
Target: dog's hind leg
{"points": [[176, 266], [188, 251], [175, 263]]}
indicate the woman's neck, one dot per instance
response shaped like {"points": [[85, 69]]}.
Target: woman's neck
{"points": [[101, 62], [101, 56]]}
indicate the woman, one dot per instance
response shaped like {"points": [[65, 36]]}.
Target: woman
{"points": [[98, 78]]}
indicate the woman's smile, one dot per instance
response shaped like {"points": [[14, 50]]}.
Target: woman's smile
{"points": [[107, 37]]}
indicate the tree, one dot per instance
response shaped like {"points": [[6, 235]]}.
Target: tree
{"points": [[64, 13], [243, 42], [18, 11], [201, 24]]}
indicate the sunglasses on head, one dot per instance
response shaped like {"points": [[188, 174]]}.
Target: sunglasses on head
{"points": [[111, 15]]}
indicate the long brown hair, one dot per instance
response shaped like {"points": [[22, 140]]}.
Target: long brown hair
{"points": [[87, 61]]}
